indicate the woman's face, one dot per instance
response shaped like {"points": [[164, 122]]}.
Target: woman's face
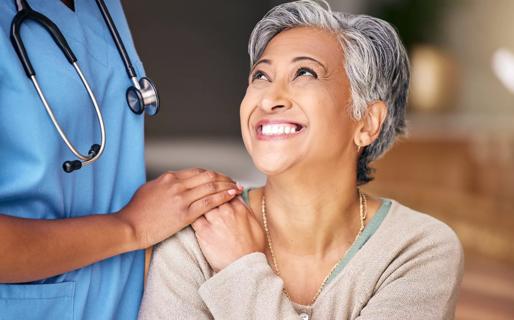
{"points": [[295, 111]]}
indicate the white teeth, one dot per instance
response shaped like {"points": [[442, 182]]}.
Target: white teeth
{"points": [[278, 129]]}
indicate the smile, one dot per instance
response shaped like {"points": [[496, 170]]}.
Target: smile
{"points": [[272, 130]]}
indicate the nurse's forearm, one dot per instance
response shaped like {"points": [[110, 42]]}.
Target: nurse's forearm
{"points": [[33, 249], [36, 249]]}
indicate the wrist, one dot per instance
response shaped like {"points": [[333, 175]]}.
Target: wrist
{"points": [[128, 231]]}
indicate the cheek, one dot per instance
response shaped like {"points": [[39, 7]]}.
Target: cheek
{"points": [[336, 109], [323, 106], [247, 104], [330, 120], [245, 110]]}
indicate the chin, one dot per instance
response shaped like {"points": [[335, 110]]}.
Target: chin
{"points": [[271, 164], [273, 158]]}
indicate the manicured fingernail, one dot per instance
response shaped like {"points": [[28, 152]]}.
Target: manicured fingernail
{"points": [[239, 186], [232, 192]]}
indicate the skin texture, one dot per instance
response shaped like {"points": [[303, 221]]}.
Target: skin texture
{"points": [[311, 191], [36, 249]]}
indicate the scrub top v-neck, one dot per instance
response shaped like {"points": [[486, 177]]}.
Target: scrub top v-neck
{"points": [[32, 182]]}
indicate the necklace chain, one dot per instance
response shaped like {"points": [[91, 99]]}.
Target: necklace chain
{"points": [[363, 208]]}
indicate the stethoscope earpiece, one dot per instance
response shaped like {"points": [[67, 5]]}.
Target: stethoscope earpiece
{"points": [[94, 150], [72, 165]]}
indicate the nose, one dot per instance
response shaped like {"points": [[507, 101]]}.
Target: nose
{"points": [[275, 98]]}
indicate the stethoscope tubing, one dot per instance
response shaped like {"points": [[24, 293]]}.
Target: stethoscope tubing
{"points": [[143, 96], [25, 12], [86, 159], [117, 40]]}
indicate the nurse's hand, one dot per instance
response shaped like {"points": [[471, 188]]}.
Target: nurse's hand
{"points": [[229, 232], [162, 207]]}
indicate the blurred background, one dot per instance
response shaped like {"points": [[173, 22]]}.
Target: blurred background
{"points": [[457, 163]]}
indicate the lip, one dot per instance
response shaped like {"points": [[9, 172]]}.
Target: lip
{"points": [[260, 136]]}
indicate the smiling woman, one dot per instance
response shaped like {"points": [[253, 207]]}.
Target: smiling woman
{"points": [[300, 83], [326, 96]]}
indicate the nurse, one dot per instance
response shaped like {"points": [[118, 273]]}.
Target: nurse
{"points": [[71, 244]]}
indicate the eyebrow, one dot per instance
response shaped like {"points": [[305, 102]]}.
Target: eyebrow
{"points": [[296, 59], [310, 59], [265, 61]]}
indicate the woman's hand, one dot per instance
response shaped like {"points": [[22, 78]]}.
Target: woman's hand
{"points": [[162, 207], [228, 232]]}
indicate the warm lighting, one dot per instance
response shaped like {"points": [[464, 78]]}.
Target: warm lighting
{"points": [[503, 67], [433, 79]]}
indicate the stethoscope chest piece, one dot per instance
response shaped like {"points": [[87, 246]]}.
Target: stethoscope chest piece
{"points": [[143, 97]]}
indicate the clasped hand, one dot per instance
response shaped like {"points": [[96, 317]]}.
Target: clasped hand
{"points": [[228, 233], [162, 207]]}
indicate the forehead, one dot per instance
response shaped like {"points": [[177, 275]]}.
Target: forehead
{"points": [[305, 41]]}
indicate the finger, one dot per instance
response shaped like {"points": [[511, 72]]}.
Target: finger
{"points": [[209, 188], [214, 215], [241, 206], [238, 204], [181, 174], [188, 173], [167, 176], [209, 216], [205, 177], [199, 224], [205, 204]]}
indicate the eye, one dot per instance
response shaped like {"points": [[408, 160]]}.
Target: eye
{"points": [[303, 71], [259, 75]]}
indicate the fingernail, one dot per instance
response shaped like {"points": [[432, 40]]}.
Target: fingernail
{"points": [[232, 192], [239, 186]]}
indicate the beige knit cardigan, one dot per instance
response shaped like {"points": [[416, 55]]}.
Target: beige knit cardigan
{"points": [[405, 265]]}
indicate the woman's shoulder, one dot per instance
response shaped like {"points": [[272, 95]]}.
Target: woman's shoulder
{"points": [[409, 230], [409, 222], [412, 262], [180, 250], [184, 238]]}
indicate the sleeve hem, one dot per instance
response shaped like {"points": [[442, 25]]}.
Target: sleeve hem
{"points": [[232, 273]]}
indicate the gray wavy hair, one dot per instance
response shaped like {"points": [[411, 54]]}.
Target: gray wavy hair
{"points": [[376, 64]]}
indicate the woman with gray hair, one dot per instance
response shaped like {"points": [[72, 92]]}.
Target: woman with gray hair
{"points": [[326, 96]]}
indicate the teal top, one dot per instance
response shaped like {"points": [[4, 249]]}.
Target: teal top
{"points": [[361, 240]]}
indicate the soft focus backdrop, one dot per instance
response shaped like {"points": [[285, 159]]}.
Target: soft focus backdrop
{"points": [[457, 163]]}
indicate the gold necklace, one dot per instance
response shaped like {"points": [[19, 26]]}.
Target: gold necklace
{"points": [[363, 209]]}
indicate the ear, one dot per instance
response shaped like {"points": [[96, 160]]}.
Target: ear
{"points": [[370, 125]]}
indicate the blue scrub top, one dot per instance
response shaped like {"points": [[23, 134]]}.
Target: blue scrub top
{"points": [[32, 182]]}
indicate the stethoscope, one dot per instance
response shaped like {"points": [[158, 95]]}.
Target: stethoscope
{"points": [[142, 96]]}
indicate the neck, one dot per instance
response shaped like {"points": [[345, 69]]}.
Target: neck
{"points": [[312, 215]]}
